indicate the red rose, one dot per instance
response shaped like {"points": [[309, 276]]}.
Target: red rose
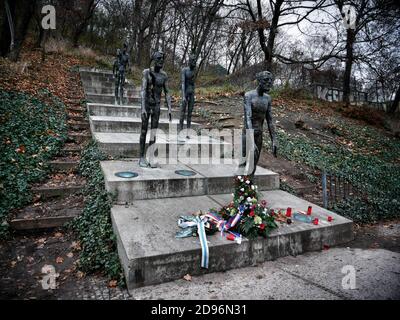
{"points": [[252, 214], [262, 227]]}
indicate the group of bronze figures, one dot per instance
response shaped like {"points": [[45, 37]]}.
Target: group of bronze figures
{"points": [[257, 103]]}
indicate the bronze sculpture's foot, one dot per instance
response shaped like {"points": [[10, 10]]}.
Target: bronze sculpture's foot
{"points": [[143, 163], [181, 140], [153, 165]]}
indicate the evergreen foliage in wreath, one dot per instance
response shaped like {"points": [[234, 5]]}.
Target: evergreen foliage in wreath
{"points": [[257, 219]]}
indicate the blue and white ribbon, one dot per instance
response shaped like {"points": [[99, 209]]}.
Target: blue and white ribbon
{"points": [[201, 230]]}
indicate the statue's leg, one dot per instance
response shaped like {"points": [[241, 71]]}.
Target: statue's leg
{"points": [[190, 110], [182, 115], [258, 140], [116, 88], [122, 85], [143, 134], [155, 119], [243, 162]]}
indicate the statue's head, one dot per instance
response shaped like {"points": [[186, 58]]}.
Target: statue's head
{"points": [[192, 61], [158, 58], [265, 80]]}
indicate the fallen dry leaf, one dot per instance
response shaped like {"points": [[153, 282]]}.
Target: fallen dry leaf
{"points": [[70, 255], [113, 284], [21, 149], [76, 246], [13, 264], [59, 260], [188, 277], [80, 274], [58, 235], [41, 241]]}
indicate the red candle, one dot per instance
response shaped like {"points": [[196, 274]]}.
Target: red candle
{"points": [[316, 221], [309, 211], [231, 237], [289, 212]]}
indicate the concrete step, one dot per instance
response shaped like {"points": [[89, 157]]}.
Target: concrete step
{"points": [[110, 90], [150, 254], [79, 126], [133, 111], [47, 193], [101, 80], [127, 145], [125, 124], [63, 166], [106, 84], [79, 138], [164, 182], [110, 98], [97, 77], [42, 223], [90, 70]]}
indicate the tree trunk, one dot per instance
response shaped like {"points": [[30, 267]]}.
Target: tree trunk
{"points": [[268, 48], [211, 18], [349, 65], [22, 12], [5, 38], [395, 103], [272, 34], [81, 27]]}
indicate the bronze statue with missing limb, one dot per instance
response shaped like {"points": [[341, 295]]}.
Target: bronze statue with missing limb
{"points": [[188, 93], [155, 81], [120, 68], [257, 109]]}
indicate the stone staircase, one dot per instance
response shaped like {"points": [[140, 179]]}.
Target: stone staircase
{"points": [[147, 207]]}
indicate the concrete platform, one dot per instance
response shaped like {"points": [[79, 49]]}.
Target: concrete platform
{"points": [[163, 182], [128, 124], [150, 253], [131, 111], [127, 145], [110, 98]]}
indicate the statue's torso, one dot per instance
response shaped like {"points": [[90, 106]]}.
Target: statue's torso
{"points": [[123, 62], [189, 80], [155, 85], [259, 108]]}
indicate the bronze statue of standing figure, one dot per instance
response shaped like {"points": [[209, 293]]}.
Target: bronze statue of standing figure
{"points": [[121, 65], [188, 93], [155, 81], [257, 109]]}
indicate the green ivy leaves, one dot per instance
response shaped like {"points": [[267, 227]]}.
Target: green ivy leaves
{"points": [[31, 133]]}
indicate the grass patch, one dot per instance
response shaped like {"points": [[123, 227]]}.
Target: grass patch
{"points": [[32, 131], [365, 157]]}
